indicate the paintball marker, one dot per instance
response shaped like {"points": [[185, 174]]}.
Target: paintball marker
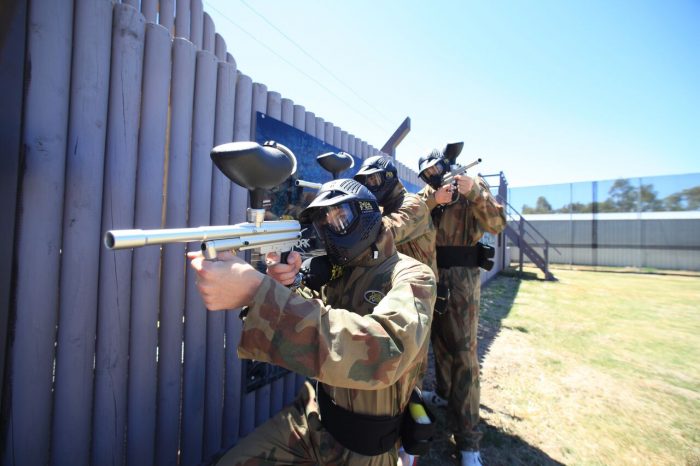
{"points": [[449, 177], [333, 162], [253, 166]]}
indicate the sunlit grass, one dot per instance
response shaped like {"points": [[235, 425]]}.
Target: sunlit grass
{"points": [[596, 368]]}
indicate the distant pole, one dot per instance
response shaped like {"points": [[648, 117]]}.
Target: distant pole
{"points": [[392, 143]]}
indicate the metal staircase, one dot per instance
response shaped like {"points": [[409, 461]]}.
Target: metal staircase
{"points": [[524, 230], [520, 237]]}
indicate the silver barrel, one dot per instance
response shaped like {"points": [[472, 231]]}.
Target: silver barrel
{"points": [[125, 239], [308, 184]]}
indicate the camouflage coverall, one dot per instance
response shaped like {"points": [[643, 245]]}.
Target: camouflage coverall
{"points": [[454, 333], [363, 345], [408, 218]]}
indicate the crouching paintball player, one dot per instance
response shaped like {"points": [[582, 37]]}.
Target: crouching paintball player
{"points": [[362, 339]]}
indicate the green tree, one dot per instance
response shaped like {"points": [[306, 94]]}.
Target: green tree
{"points": [[688, 199], [543, 206], [622, 197], [649, 199]]}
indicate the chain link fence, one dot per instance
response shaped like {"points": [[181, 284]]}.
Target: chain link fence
{"points": [[651, 222]]}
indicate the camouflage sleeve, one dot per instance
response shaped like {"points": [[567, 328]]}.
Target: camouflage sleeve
{"points": [[488, 212], [336, 346], [412, 220], [428, 196]]}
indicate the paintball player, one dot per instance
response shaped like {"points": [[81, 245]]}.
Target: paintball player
{"points": [[460, 223], [408, 218], [363, 341], [405, 214]]}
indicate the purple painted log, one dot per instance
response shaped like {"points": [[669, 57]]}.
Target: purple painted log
{"points": [[208, 33], [320, 128], [337, 138], [182, 19], [145, 295], [220, 49], [300, 119], [315, 127], [30, 371], [310, 126], [288, 386], [173, 265], [274, 110], [328, 133], [166, 14], [197, 24], [220, 198], [263, 394], [244, 411], [344, 140], [351, 144], [287, 115], [113, 311], [149, 8], [75, 352], [195, 312]]}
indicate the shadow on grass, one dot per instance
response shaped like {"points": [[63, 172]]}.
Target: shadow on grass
{"points": [[498, 447], [497, 298]]}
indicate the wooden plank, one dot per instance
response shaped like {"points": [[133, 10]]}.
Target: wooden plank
{"points": [[82, 235], [244, 411], [208, 34], [220, 199], [149, 9], [182, 19], [49, 38], [310, 124], [173, 262], [197, 24], [263, 395], [392, 143], [113, 312], [275, 109], [194, 376], [301, 119], [145, 296], [166, 14], [12, 61]]}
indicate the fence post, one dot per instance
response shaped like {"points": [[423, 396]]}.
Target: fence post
{"points": [[521, 232]]}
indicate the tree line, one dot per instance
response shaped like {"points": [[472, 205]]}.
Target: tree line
{"points": [[624, 197]]}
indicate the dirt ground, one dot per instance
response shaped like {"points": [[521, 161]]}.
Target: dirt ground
{"points": [[498, 447]]}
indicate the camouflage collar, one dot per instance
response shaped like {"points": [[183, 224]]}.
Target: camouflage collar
{"points": [[394, 199], [384, 246]]}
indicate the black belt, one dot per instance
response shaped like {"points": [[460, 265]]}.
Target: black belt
{"points": [[361, 433], [465, 256]]}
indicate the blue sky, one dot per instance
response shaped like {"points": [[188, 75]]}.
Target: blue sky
{"points": [[545, 91]]}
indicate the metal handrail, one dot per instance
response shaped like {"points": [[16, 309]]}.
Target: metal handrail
{"points": [[500, 199]]}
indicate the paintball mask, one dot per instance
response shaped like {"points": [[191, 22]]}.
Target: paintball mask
{"points": [[379, 175], [432, 167], [346, 217]]}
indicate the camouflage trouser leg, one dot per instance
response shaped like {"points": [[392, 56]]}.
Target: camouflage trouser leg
{"points": [[295, 436], [456, 360]]}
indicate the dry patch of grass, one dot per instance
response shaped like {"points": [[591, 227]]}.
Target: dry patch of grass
{"points": [[595, 369]]}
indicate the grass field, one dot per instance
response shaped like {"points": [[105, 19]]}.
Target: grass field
{"points": [[597, 368]]}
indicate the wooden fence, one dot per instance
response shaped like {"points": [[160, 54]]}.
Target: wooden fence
{"points": [[112, 357]]}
